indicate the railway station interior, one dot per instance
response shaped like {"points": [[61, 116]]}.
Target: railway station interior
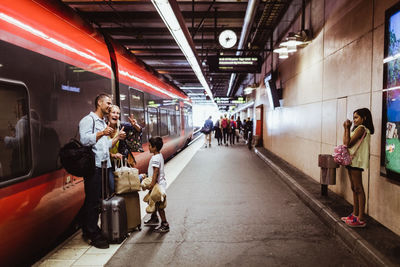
{"points": [[251, 100]]}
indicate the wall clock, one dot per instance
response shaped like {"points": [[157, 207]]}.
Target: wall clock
{"points": [[227, 38]]}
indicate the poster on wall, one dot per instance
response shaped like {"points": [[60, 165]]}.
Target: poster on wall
{"points": [[390, 153]]}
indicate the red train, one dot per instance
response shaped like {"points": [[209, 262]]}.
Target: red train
{"points": [[52, 65]]}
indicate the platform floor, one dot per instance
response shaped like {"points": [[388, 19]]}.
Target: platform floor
{"points": [[76, 252], [227, 207]]}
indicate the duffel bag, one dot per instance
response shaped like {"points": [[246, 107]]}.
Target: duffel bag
{"points": [[126, 179]]}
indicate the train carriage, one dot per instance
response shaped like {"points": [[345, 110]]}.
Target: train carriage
{"points": [[52, 65]]}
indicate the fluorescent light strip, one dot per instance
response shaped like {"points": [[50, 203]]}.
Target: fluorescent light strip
{"points": [[133, 77], [391, 88], [244, 107], [391, 58], [167, 14]]}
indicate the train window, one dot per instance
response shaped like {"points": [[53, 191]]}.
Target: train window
{"points": [[179, 122], [163, 122], [172, 123], [15, 145], [153, 122], [136, 104]]}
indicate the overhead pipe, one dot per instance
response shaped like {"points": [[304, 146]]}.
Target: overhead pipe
{"points": [[248, 22]]}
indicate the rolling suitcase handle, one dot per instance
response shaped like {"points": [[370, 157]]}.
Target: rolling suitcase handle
{"points": [[104, 180]]}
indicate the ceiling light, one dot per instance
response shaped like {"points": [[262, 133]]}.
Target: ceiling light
{"points": [[284, 55], [167, 14]]}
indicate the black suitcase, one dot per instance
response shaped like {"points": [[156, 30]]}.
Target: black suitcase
{"points": [[113, 213]]}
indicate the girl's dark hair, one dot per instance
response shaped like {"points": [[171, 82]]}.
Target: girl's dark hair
{"points": [[367, 117], [156, 142]]}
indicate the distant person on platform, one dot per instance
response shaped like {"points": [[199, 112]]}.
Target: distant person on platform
{"points": [[218, 131], [249, 127], [239, 127], [94, 132], [207, 130], [225, 127]]}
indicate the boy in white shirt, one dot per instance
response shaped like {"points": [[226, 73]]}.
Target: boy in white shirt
{"points": [[156, 171]]}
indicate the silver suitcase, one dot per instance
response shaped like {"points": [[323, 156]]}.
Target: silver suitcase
{"points": [[113, 213]]}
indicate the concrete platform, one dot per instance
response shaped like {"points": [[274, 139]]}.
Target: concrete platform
{"points": [[375, 243], [227, 207]]}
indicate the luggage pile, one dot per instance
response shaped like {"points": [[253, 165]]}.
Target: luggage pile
{"points": [[120, 212]]}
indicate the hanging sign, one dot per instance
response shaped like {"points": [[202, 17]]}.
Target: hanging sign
{"points": [[235, 64]]}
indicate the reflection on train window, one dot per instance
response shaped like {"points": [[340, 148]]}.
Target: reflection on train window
{"points": [[15, 147], [172, 123], [163, 122], [153, 122], [179, 123], [136, 104]]}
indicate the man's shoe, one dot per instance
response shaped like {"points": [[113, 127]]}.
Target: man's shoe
{"points": [[100, 242], [163, 228], [152, 221]]}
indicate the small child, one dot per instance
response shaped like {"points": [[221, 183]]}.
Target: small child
{"points": [[156, 172]]}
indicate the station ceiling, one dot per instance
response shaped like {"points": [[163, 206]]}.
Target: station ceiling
{"points": [[138, 26]]}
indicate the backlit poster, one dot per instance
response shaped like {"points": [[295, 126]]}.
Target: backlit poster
{"points": [[390, 159]]}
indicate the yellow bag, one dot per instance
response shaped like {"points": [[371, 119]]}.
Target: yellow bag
{"points": [[126, 179]]}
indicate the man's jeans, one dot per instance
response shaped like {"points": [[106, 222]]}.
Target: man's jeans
{"points": [[91, 206]]}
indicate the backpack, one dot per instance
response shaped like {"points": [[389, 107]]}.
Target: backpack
{"points": [[224, 123], [78, 159]]}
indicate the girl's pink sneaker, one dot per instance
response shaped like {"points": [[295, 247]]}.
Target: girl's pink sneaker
{"points": [[348, 218], [356, 223]]}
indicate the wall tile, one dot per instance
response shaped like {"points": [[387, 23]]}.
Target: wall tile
{"points": [[377, 58], [350, 21], [341, 116], [329, 122], [376, 111], [310, 84], [356, 102], [355, 67], [332, 75]]}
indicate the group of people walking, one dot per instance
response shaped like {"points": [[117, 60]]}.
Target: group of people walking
{"points": [[226, 129]]}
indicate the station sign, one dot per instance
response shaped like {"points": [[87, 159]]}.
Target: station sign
{"points": [[228, 101], [235, 64]]}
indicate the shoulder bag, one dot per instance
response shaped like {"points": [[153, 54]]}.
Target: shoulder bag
{"points": [[78, 159]]}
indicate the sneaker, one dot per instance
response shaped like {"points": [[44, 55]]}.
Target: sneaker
{"points": [[163, 228], [348, 218], [356, 223], [209, 145], [99, 242], [152, 221], [205, 146]]}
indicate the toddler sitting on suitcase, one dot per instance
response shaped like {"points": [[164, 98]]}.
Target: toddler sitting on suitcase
{"points": [[156, 173]]}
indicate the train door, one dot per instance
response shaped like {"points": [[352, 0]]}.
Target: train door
{"points": [[259, 124]]}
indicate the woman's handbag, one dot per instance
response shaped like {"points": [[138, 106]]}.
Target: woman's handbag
{"points": [[126, 179], [341, 154]]}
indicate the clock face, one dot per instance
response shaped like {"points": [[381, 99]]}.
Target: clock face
{"points": [[227, 38]]}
